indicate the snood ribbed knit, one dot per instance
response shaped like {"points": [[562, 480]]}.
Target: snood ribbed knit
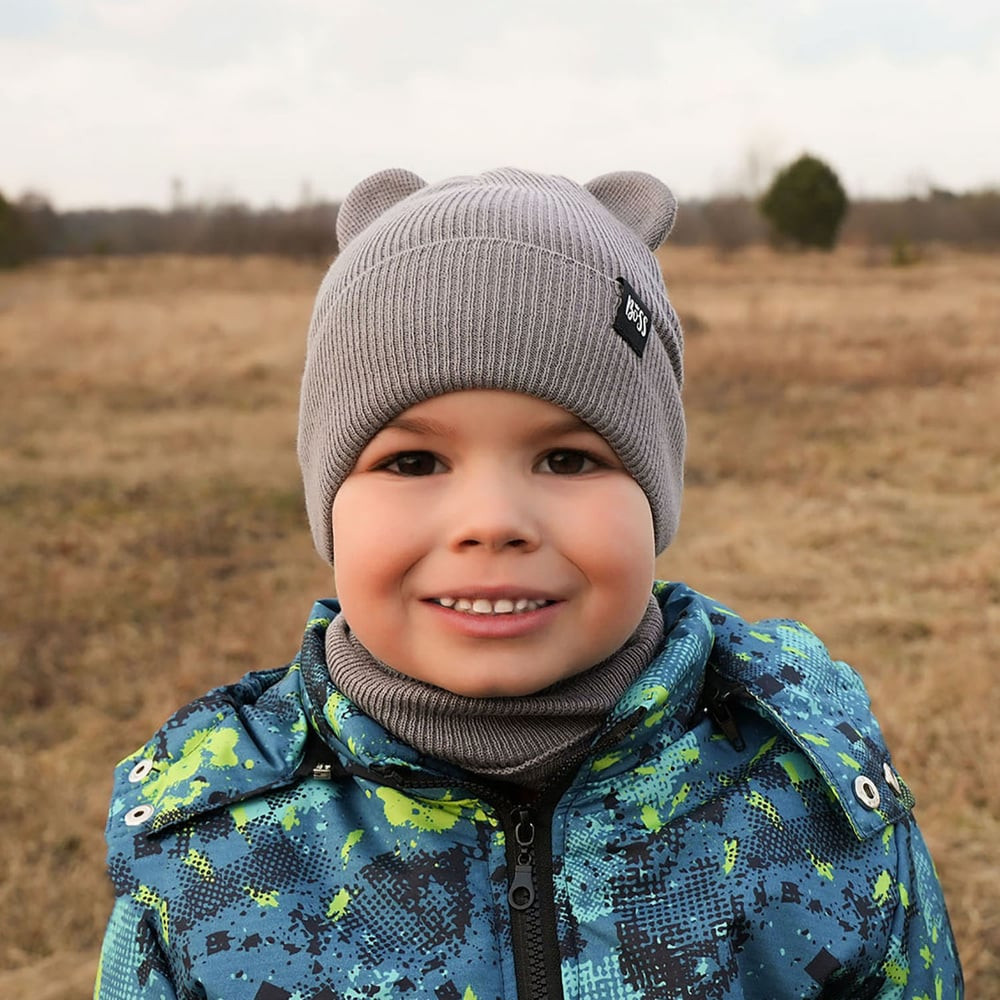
{"points": [[524, 740]]}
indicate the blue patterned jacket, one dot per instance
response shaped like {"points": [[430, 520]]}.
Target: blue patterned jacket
{"points": [[736, 830]]}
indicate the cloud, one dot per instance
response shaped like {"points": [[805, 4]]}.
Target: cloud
{"points": [[112, 98]]}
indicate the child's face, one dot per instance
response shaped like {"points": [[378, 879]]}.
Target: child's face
{"points": [[497, 499]]}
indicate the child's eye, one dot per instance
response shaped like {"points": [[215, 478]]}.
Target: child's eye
{"points": [[412, 463], [569, 462]]}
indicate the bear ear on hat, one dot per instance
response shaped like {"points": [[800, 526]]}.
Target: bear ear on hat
{"points": [[640, 201], [370, 198]]}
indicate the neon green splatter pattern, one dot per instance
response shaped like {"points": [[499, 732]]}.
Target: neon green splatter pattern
{"points": [[680, 865]]}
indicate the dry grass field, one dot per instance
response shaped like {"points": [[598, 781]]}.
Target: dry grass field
{"points": [[844, 469]]}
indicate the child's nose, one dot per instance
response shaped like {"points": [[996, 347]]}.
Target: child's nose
{"points": [[496, 514]]}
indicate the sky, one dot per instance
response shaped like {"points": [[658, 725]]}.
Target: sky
{"points": [[107, 103]]}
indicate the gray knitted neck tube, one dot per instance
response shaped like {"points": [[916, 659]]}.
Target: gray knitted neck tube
{"points": [[525, 740], [506, 280]]}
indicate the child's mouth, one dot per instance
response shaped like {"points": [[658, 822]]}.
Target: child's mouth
{"points": [[485, 606]]}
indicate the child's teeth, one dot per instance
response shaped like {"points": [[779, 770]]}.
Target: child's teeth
{"points": [[484, 606]]}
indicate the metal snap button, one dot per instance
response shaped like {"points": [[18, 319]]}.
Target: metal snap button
{"points": [[140, 771], [891, 779], [866, 792], [138, 815]]}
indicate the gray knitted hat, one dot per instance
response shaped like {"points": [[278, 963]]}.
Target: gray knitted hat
{"points": [[506, 280]]}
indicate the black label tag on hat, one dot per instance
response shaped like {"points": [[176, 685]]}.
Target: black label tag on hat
{"points": [[632, 321]]}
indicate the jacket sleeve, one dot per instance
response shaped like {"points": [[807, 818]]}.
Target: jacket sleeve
{"points": [[922, 960], [132, 965]]}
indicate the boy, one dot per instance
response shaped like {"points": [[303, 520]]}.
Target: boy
{"points": [[498, 766]]}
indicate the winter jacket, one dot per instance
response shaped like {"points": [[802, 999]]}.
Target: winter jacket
{"points": [[736, 830]]}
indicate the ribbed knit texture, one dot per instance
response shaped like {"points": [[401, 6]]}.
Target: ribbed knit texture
{"points": [[507, 280], [524, 739]]}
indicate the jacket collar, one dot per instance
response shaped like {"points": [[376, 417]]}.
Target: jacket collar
{"points": [[270, 729]]}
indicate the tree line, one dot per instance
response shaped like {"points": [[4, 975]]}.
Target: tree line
{"points": [[32, 228], [804, 205]]}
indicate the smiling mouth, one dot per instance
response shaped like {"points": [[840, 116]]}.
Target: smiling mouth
{"points": [[485, 606]]}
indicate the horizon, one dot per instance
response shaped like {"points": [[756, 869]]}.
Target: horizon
{"points": [[992, 191]]}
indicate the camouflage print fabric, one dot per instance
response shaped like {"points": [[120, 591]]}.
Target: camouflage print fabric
{"points": [[272, 842]]}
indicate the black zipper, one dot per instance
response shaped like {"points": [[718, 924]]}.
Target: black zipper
{"points": [[531, 895], [532, 903], [528, 832]]}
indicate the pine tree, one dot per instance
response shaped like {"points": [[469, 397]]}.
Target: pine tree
{"points": [[805, 204]]}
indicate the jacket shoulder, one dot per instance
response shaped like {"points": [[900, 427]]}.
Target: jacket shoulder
{"points": [[233, 742], [780, 669]]}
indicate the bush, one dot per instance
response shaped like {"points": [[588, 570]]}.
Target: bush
{"points": [[805, 204], [16, 243]]}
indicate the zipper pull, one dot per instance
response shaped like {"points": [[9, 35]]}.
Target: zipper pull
{"points": [[716, 695], [522, 886]]}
